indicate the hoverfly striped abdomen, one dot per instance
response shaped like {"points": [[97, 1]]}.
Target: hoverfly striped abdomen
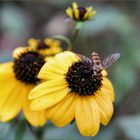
{"points": [[96, 61]]}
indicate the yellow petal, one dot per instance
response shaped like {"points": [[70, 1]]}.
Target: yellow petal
{"points": [[6, 89], [76, 13], [108, 88], [104, 72], [74, 5], [58, 66], [89, 9], [106, 107], [69, 12], [6, 70], [67, 57], [33, 43], [52, 69], [35, 118], [47, 88], [18, 51], [11, 106], [56, 43], [62, 113], [6, 65], [92, 14], [87, 116], [51, 76], [48, 100]]}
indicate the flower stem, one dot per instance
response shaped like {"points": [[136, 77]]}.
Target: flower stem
{"points": [[65, 39], [75, 35]]}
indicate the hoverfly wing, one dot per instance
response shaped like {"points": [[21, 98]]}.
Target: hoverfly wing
{"points": [[84, 58], [109, 60]]}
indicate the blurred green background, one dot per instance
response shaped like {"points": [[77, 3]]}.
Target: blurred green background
{"points": [[116, 28]]}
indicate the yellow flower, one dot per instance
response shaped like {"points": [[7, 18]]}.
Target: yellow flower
{"points": [[74, 91], [80, 13], [47, 46], [17, 78]]}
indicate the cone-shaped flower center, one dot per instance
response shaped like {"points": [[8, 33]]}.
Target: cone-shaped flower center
{"points": [[27, 66], [83, 79], [42, 45]]}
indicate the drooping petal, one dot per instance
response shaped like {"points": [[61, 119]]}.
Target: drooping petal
{"points": [[35, 118], [89, 9], [11, 101], [108, 88], [110, 93], [92, 14], [48, 100], [76, 13], [74, 5], [105, 105], [69, 12], [63, 113], [87, 116]]}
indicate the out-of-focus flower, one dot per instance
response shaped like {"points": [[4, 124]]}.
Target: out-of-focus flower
{"points": [[48, 46], [74, 90], [80, 13], [17, 78]]}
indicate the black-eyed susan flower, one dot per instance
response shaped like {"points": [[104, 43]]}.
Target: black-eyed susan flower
{"points": [[17, 78], [80, 13], [48, 46], [74, 90]]}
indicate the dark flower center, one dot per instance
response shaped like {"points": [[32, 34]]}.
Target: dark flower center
{"points": [[83, 79], [82, 12], [42, 45], [27, 66]]}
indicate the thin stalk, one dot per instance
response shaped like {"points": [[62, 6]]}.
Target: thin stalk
{"points": [[75, 35]]}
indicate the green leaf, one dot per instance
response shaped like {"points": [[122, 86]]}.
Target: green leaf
{"points": [[63, 38]]}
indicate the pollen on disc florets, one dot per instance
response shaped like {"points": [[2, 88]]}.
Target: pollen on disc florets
{"points": [[83, 79], [27, 65]]}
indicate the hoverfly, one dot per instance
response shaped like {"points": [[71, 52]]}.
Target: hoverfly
{"points": [[107, 61]]}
